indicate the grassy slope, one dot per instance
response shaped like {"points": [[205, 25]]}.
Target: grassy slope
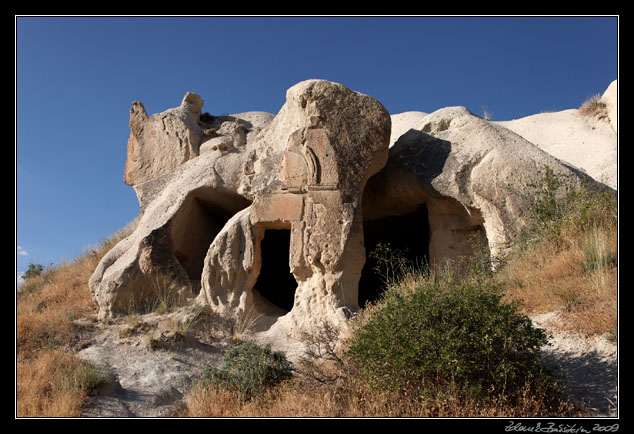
{"points": [[50, 380], [567, 263]]}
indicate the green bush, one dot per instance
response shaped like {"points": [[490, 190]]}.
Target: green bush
{"points": [[249, 369], [446, 333], [33, 270], [581, 209]]}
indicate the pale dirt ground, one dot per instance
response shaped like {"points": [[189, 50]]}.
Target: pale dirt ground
{"points": [[588, 366], [151, 380]]}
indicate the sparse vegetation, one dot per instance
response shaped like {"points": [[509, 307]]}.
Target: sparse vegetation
{"points": [[55, 384], [51, 380], [249, 369], [594, 107], [486, 113], [241, 326], [567, 260], [434, 345]]}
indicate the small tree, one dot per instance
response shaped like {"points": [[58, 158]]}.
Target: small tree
{"points": [[33, 270]]}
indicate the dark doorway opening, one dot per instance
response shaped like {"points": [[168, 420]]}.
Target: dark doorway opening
{"points": [[275, 282], [393, 239]]}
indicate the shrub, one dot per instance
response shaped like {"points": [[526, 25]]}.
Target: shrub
{"points": [[446, 333], [593, 106], [249, 369], [33, 270], [556, 214]]}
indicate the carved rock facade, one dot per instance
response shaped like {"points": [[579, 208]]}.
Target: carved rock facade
{"points": [[273, 216]]}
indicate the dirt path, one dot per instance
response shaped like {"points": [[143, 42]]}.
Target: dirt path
{"points": [[152, 367], [588, 366]]}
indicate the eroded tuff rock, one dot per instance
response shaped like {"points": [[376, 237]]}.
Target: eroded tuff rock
{"points": [[475, 179], [334, 140], [271, 217], [588, 142], [304, 172], [163, 141]]}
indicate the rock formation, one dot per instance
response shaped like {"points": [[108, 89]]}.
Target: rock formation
{"points": [[273, 216], [589, 143]]}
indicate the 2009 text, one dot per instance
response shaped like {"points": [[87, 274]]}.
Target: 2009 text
{"points": [[552, 427]]}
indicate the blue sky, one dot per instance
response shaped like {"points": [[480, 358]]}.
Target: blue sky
{"points": [[76, 78]]}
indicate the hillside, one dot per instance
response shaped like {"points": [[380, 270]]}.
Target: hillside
{"points": [[122, 345]]}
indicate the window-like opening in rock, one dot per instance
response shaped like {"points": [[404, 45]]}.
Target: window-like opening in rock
{"points": [[195, 226], [388, 241], [275, 281]]}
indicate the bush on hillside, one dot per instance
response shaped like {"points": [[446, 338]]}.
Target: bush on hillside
{"points": [[445, 333], [33, 270], [555, 214], [249, 369]]}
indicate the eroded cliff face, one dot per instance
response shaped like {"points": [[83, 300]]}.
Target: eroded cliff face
{"points": [[272, 216], [302, 171]]}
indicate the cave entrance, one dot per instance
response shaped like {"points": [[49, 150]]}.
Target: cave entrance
{"points": [[275, 282], [388, 241], [196, 224]]}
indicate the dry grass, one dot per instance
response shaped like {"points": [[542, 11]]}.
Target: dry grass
{"points": [[51, 381], [594, 107], [54, 383], [352, 398], [547, 281], [575, 273]]}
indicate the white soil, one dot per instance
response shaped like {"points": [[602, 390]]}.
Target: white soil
{"points": [[588, 366], [152, 382]]}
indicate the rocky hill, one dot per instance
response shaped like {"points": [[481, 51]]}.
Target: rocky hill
{"points": [[270, 219]]}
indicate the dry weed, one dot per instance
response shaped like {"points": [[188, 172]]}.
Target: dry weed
{"points": [[51, 382], [54, 384], [354, 399], [593, 106], [576, 275]]}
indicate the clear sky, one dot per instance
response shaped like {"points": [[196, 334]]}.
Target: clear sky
{"points": [[76, 78]]}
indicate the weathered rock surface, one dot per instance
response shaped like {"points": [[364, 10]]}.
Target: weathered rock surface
{"points": [[321, 184], [335, 139], [473, 176], [588, 143], [611, 100], [163, 141], [303, 172]]}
